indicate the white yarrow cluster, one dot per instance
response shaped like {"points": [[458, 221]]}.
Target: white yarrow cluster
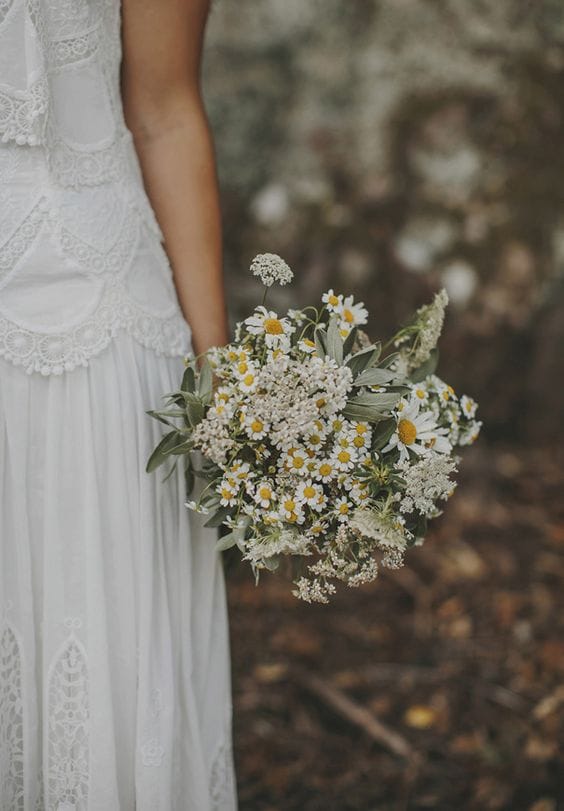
{"points": [[271, 269]]}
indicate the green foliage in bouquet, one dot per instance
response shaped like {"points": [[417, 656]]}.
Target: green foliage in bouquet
{"points": [[316, 443]]}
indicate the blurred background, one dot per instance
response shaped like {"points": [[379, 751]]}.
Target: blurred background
{"points": [[388, 148]]}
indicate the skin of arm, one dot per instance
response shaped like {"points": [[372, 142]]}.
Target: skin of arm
{"points": [[163, 107]]}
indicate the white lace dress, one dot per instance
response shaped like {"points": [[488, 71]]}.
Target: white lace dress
{"points": [[114, 654]]}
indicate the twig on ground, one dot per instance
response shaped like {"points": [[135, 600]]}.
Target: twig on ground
{"points": [[355, 713]]}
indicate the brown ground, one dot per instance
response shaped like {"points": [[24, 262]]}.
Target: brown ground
{"points": [[460, 655]]}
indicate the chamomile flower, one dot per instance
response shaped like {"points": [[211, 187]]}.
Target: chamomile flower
{"points": [[263, 494], [255, 427], [332, 300], [325, 471], [416, 431], [228, 490], [311, 494], [468, 406], [265, 322], [351, 314], [291, 510], [295, 460], [421, 393], [344, 458], [343, 509], [307, 346]]}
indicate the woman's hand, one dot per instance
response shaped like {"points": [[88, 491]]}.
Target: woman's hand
{"points": [[163, 107]]}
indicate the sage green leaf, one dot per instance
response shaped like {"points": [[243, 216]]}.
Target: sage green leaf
{"points": [[349, 341], [205, 381], [188, 380], [272, 563], [189, 476], [163, 449], [225, 542], [159, 416], [365, 358], [383, 433], [363, 413], [375, 376], [334, 341], [320, 339], [427, 368], [217, 519]]}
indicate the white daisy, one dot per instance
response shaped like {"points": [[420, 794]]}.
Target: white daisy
{"points": [[468, 406], [343, 508], [311, 494], [265, 322], [352, 315], [416, 431], [333, 301]]}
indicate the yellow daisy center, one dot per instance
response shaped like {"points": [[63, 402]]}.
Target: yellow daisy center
{"points": [[325, 469], [344, 456], [248, 380], [290, 505], [332, 300], [273, 326], [420, 393], [298, 462], [407, 432], [256, 426], [242, 367], [358, 441], [343, 509], [348, 316], [265, 492], [309, 492]]}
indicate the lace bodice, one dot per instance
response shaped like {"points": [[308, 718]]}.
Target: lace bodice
{"points": [[81, 254]]}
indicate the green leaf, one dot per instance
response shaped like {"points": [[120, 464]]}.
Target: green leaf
{"points": [[225, 542], [371, 407], [205, 381], [375, 376], [349, 341], [334, 341], [189, 475], [188, 380], [320, 339], [365, 358], [163, 449], [159, 416], [383, 433], [217, 519], [427, 368]]}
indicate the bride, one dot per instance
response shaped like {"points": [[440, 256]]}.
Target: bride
{"points": [[114, 653]]}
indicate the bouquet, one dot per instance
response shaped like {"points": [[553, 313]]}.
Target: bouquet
{"points": [[316, 443]]}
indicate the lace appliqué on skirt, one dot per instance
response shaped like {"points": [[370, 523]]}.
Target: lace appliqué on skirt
{"points": [[11, 721], [68, 729]]}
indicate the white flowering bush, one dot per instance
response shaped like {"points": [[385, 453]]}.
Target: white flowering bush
{"points": [[315, 443]]}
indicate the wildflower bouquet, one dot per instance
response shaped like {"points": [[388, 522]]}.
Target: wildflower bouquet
{"points": [[316, 443]]}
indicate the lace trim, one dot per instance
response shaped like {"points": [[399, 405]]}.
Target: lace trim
{"points": [[22, 114], [68, 732], [11, 721], [63, 352]]}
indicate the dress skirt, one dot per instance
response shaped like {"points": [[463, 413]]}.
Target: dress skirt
{"points": [[115, 689]]}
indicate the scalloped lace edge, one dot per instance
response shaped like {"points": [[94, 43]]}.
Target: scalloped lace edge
{"points": [[54, 354]]}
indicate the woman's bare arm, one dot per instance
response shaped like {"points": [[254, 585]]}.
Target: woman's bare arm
{"points": [[162, 50]]}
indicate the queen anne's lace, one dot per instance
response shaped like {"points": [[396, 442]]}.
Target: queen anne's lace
{"points": [[76, 226]]}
